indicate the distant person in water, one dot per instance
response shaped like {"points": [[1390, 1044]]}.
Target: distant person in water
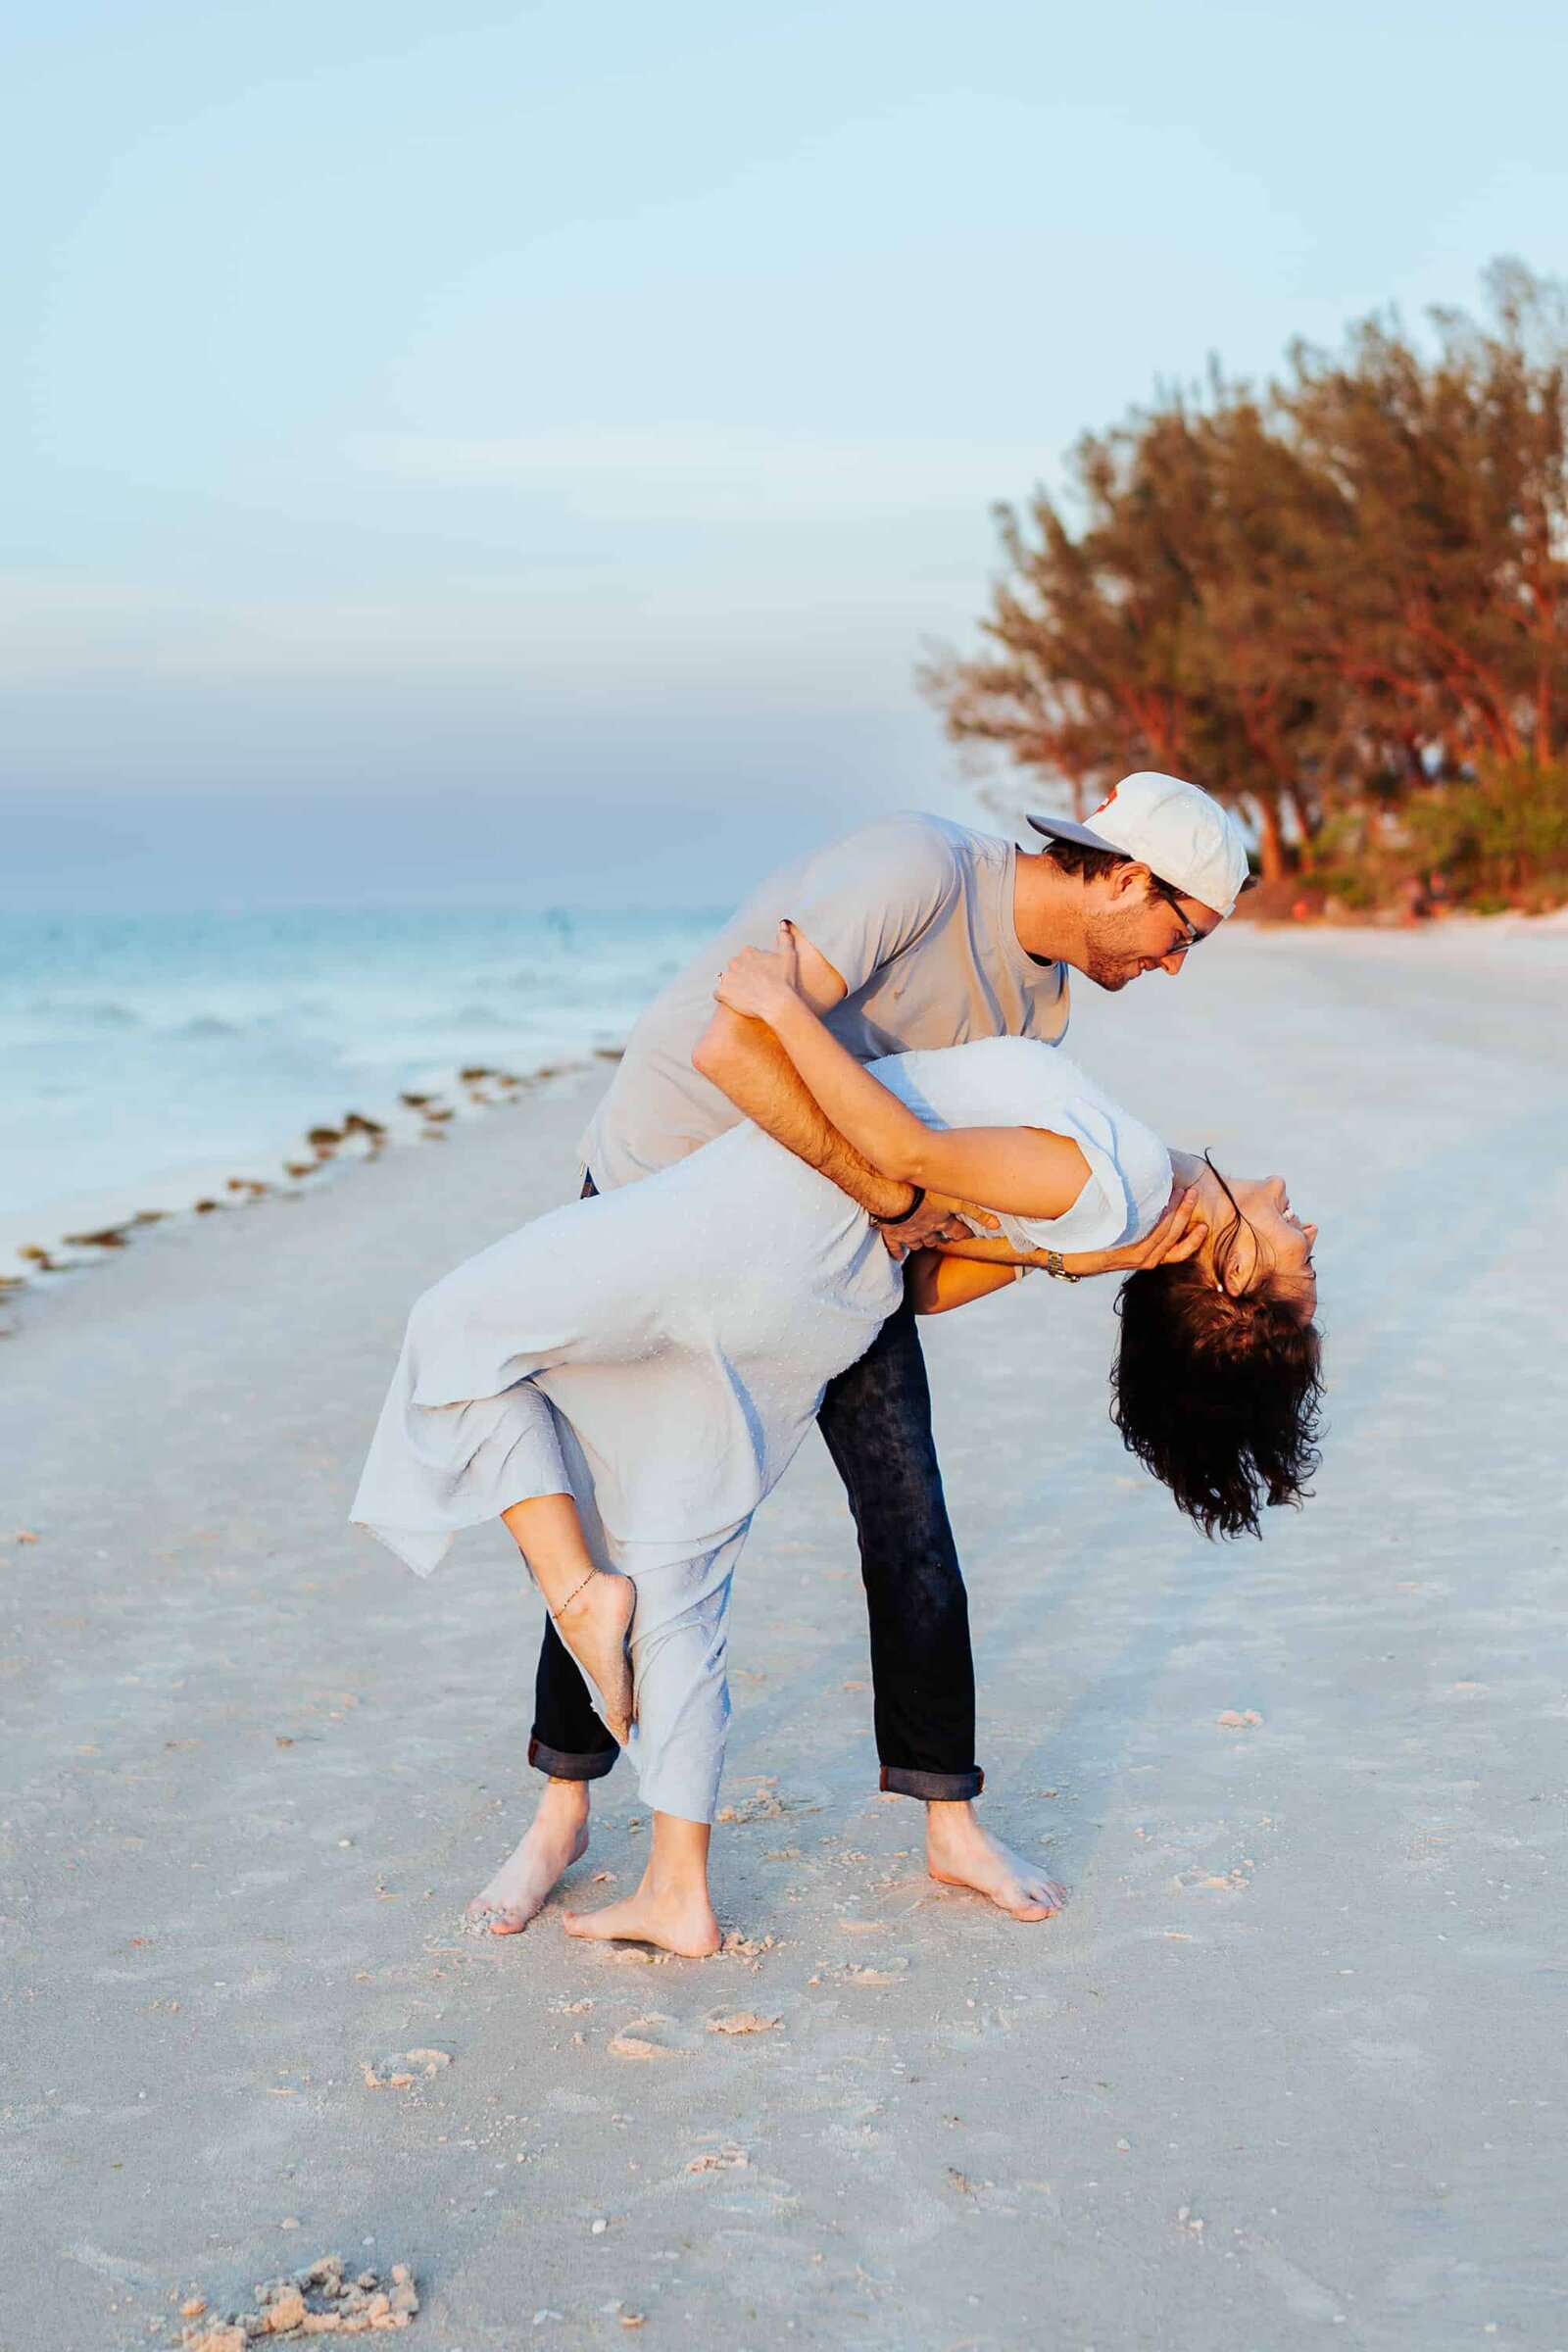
{"points": [[909, 935]]}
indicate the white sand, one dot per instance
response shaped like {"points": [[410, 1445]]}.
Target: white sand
{"points": [[1289, 2070]]}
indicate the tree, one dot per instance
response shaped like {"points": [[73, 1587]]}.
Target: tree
{"points": [[1349, 589], [1442, 610], [1150, 638]]}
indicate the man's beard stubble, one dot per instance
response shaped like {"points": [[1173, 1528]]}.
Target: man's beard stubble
{"points": [[1111, 959]]}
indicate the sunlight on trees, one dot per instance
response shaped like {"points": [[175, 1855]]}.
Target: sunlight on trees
{"points": [[1341, 603]]}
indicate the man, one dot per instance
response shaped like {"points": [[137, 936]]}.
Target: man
{"points": [[913, 933]]}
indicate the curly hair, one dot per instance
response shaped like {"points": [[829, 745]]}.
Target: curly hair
{"points": [[1218, 1397]]}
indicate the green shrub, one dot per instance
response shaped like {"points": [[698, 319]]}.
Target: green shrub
{"points": [[1500, 837]]}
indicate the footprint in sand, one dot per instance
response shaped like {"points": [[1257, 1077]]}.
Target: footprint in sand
{"points": [[986, 2026], [736, 1946], [404, 2071], [853, 1972], [766, 1804], [728, 2159], [655, 2037]]}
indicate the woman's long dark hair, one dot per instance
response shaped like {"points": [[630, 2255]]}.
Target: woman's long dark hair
{"points": [[1218, 1397]]}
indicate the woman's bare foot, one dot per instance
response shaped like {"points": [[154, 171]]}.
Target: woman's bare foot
{"points": [[557, 1837], [959, 1852], [676, 1920], [670, 1908], [594, 1626]]}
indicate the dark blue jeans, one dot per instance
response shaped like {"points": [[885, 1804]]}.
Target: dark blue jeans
{"points": [[876, 1420]]}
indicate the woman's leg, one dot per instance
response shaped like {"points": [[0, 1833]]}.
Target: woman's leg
{"points": [[671, 1906], [595, 1610], [591, 1607], [680, 1650], [571, 1747]]}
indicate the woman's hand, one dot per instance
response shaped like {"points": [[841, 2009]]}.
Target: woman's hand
{"points": [[1180, 1234], [760, 982]]}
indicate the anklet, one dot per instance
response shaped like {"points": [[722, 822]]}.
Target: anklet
{"points": [[557, 1614]]}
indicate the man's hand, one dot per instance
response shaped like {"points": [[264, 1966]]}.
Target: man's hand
{"points": [[938, 1219], [1180, 1234]]}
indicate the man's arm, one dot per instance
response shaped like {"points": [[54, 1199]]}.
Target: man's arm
{"points": [[745, 1061], [1030, 1170]]}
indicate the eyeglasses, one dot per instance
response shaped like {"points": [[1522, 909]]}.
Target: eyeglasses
{"points": [[1192, 937]]}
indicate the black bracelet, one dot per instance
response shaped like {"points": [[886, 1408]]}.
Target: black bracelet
{"points": [[904, 1217]]}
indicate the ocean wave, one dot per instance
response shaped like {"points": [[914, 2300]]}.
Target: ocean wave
{"points": [[129, 1048]]}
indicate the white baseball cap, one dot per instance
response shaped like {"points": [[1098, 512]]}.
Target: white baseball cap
{"points": [[1183, 837]]}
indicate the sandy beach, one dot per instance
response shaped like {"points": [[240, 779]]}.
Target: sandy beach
{"points": [[1289, 2070]]}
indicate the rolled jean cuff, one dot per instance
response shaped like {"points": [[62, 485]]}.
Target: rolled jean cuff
{"points": [[936, 1788], [560, 1766]]}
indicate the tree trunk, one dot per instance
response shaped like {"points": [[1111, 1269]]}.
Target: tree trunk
{"points": [[1309, 821], [1272, 844]]}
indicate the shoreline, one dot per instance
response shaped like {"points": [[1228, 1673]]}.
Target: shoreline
{"points": [[148, 1062], [38, 1248]]}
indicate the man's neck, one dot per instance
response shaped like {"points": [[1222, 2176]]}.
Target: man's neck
{"points": [[1048, 909]]}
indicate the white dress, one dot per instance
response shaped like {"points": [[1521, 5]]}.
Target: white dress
{"points": [[661, 1352]]}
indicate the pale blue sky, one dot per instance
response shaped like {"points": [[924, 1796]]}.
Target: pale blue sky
{"points": [[526, 448]]}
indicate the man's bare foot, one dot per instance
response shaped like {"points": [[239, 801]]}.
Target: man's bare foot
{"points": [[959, 1852], [558, 1836], [594, 1626], [676, 1920]]}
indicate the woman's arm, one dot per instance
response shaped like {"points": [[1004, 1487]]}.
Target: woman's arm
{"points": [[938, 1280], [952, 1272], [1024, 1171]]}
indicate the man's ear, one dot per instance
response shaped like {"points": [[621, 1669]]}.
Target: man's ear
{"points": [[1130, 880]]}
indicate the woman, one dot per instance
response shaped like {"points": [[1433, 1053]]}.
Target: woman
{"points": [[625, 1380]]}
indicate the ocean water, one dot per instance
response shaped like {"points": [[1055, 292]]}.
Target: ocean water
{"points": [[135, 1050]]}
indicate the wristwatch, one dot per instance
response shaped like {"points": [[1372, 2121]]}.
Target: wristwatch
{"points": [[1055, 1266]]}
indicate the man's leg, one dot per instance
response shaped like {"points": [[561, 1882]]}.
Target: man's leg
{"points": [[572, 1745], [876, 1420], [568, 1741]]}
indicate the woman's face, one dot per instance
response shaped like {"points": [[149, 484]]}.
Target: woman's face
{"points": [[1270, 1239]]}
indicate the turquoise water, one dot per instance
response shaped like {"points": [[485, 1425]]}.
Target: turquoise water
{"points": [[132, 1047]]}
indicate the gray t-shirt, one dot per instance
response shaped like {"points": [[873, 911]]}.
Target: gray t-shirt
{"points": [[915, 916]]}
